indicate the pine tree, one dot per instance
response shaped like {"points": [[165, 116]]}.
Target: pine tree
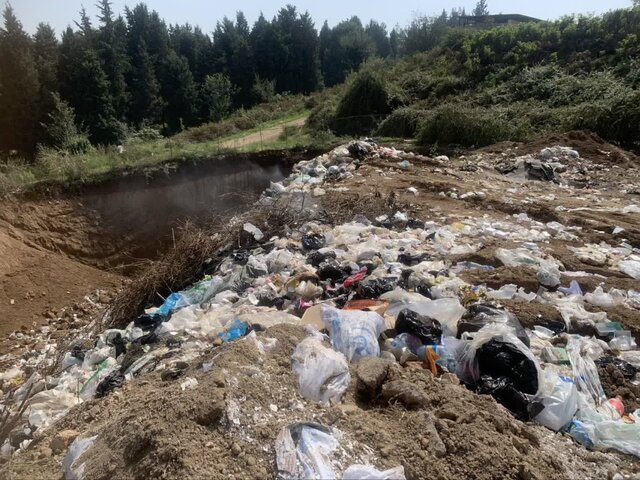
{"points": [[378, 34], [146, 102], [85, 86], [46, 57], [394, 43], [348, 46], [111, 47], [60, 129], [216, 97], [267, 49], [481, 9], [179, 92], [19, 88], [300, 71]]}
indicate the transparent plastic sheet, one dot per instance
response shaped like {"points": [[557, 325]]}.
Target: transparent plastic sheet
{"points": [[367, 472], [354, 333], [323, 373], [584, 369], [302, 452], [596, 429]]}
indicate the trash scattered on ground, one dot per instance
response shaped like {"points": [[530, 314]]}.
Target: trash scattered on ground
{"points": [[376, 296]]}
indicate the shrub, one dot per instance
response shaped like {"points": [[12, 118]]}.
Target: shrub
{"points": [[363, 106], [401, 123], [467, 127]]}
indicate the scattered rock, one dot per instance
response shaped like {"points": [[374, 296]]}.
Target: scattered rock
{"points": [[62, 440]]}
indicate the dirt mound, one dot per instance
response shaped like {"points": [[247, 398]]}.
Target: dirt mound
{"points": [[227, 425], [35, 284], [588, 144]]}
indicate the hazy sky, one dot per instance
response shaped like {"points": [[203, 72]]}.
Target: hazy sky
{"points": [[205, 13]]}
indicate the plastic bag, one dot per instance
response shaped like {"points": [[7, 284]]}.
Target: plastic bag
{"points": [[559, 397], [354, 333], [585, 371], [302, 451], [447, 311], [495, 361], [480, 315], [236, 330], [426, 329], [367, 472], [200, 292], [599, 298], [76, 449], [323, 373]]}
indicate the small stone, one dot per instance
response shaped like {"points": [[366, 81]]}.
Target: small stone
{"points": [[251, 461], [62, 440], [522, 445], [235, 449], [45, 452], [451, 378], [209, 445]]}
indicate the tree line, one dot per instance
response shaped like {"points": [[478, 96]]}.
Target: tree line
{"points": [[100, 80]]}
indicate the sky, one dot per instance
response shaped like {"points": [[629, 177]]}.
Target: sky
{"points": [[205, 13]]}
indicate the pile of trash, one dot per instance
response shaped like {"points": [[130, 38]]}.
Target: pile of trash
{"points": [[388, 287]]}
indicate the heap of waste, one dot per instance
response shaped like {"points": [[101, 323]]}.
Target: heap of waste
{"points": [[386, 287]]}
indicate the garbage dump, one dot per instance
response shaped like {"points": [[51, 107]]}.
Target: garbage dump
{"points": [[382, 295]]}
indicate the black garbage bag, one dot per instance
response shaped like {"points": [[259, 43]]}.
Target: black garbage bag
{"points": [[240, 257], [148, 339], [410, 260], [505, 394], [508, 375], [414, 223], [316, 258], [118, 342], [78, 352], [112, 381], [313, 241], [478, 315], [148, 322], [627, 370], [424, 290], [330, 270], [425, 328], [374, 288]]}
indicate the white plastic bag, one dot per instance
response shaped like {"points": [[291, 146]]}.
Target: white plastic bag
{"points": [[303, 451], [323, 373], [77, 448], [599, 298], [585, 371], [559, 395], [367, 472], [354, 333]]}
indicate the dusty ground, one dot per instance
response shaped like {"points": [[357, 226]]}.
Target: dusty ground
{"points": [[227, 425]]}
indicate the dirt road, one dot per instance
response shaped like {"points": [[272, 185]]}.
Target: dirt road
{"points": [[266, 135]]}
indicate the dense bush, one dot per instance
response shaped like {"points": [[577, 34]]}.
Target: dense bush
{"points": [[402, 123], [456, 125], [363, 106]]}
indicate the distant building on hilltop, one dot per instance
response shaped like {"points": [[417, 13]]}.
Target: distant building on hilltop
{"points": [[494, 20]]}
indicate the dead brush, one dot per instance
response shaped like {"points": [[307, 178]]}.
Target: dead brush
{"points": [[198, 250]]}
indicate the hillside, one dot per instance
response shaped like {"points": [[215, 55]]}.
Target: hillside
{"points": [[511, 82]]}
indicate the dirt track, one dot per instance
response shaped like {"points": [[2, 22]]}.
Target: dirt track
{"points": [[267, 135]]}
